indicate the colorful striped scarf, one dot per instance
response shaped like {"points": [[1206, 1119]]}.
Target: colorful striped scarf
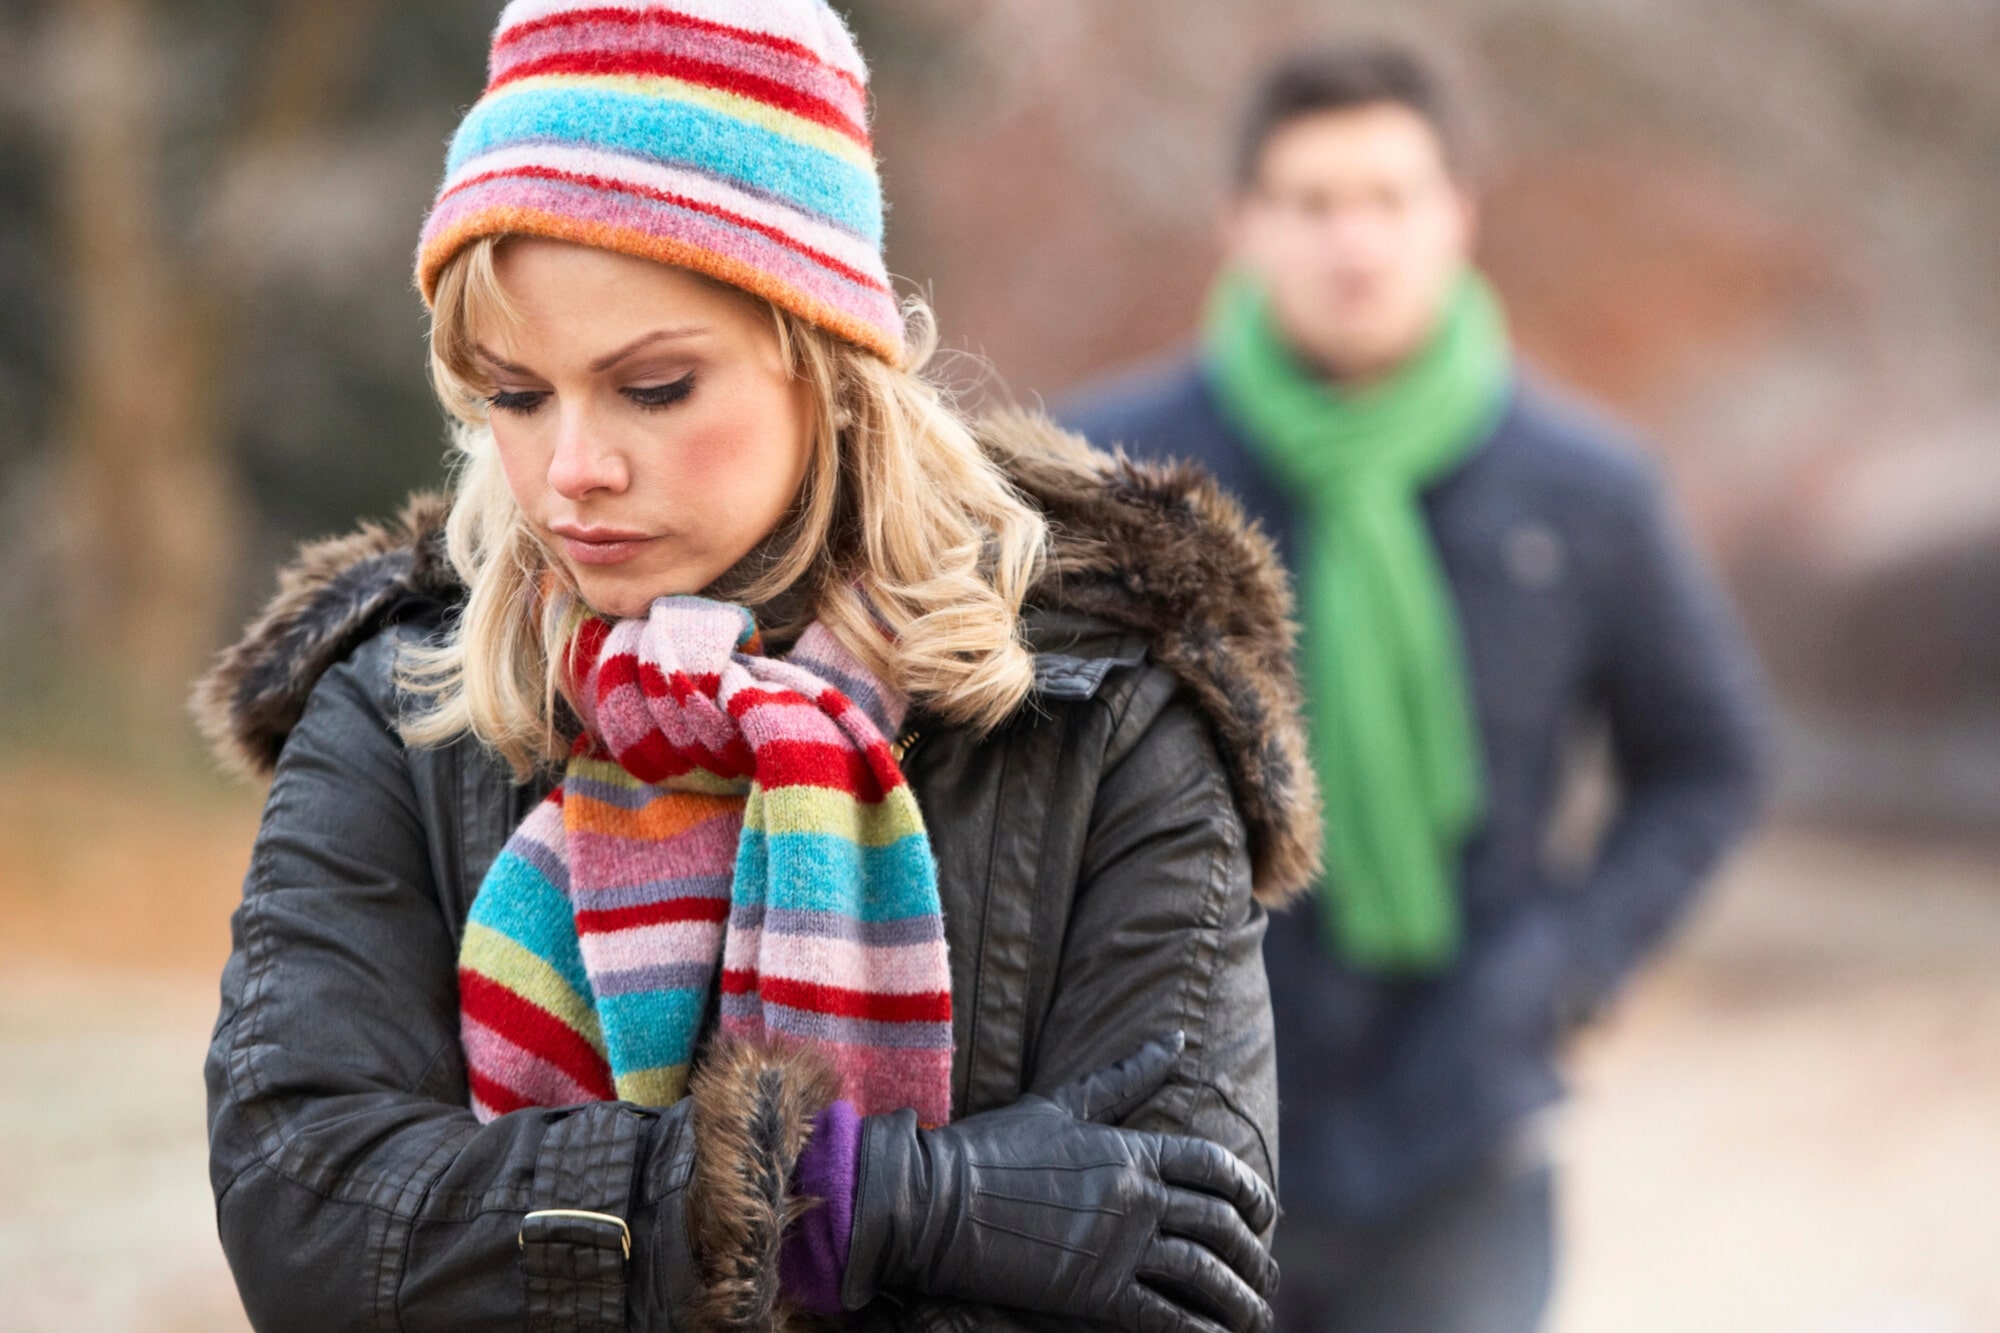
{"points": [[728, 820]]}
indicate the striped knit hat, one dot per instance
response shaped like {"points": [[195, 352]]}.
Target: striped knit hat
{"points": [[729, 137]]}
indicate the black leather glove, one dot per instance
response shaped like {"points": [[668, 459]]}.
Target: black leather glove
{"points": [[1038, 1207]]}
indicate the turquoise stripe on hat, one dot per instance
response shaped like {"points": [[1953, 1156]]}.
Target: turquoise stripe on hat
{"points": [[660, 130]]}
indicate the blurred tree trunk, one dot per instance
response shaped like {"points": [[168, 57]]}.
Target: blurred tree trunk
{"points": [[152, 521], [310, 63], [150, 516]]}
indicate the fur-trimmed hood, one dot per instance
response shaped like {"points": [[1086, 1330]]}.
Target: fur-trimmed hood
{"points": [[1156, 549]]}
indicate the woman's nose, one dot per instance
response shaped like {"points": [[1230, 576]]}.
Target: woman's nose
{"points": [[583, 463]]}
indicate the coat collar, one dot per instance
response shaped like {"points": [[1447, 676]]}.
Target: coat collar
{"points": [[1158, 550]]}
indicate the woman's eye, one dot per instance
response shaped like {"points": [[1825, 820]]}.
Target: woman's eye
{"points": [[661, 395], [521, 401]]}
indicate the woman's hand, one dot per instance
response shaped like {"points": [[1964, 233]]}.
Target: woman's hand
{"points": [[1041, 1207]]}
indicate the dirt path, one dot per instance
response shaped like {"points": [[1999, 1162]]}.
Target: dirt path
{"points": [[114, 923], [108, 1227], [1793, 1126]]}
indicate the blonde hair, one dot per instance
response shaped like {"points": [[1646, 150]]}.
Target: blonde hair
{"points": [[903, 525]]}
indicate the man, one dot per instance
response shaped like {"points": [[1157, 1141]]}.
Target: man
{"points": [[1481, 568]]}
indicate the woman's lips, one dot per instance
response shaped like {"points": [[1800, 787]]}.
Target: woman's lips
{"points": [[602, 546]]}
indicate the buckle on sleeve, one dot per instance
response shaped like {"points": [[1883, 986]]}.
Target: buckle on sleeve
{"points": [[553, 1220]]}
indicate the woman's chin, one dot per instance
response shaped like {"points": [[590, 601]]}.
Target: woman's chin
{"points": [[626, 596]]}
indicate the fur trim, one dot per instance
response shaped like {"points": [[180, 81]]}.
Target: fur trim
{"points": [[1163, 550], [333, 598], [754, 1106], [1157, 549]]}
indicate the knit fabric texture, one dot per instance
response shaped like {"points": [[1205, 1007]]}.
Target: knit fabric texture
{"points": [[728, 821], [729, 137]]}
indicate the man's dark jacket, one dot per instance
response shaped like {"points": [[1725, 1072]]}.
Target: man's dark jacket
{"points": [[1103, 860], [1579, 601]]}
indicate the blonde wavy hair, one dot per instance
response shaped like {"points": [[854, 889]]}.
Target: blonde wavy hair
{"points": [[902, 524]]}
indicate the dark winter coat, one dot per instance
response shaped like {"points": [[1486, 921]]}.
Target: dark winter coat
{"points": [[1582, 609], [1104, 862]]}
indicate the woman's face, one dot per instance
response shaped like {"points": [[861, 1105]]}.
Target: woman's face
{"points": [[645, 418]]}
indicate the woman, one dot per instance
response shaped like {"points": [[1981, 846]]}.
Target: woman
{"points": [[761, 849]]}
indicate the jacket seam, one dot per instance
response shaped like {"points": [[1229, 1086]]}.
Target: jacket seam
{"points": [[389, 1291], [1207, 937], [244, 1073], [223, 1194], [430, 1066], [1235, 1107], [1127, 698], [1227, 847], [1045, 958], [979, 976], [1180, 1094]]}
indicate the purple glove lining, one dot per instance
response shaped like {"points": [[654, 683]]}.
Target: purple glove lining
{"points": [[814, 1257]]}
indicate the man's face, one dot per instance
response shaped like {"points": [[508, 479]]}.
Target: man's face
{"points": [[1358, 232]]}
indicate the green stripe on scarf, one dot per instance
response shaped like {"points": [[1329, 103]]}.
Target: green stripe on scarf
{"points": [[1393, 734]]}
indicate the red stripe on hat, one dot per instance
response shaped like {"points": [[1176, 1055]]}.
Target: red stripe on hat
{"points": [[664, 18], [840, 1002], [594, 182], [662, 913], [690, 69], [535, 1030]]}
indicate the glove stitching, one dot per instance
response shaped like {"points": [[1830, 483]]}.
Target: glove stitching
{"points": [[1051, 1203], [1039, 1240], [1044, 1170]]}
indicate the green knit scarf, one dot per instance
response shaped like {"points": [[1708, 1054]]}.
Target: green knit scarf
{"points": [[1393, 734]]}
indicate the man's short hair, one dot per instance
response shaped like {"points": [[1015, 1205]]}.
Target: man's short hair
{"points": [[1345, 77]]}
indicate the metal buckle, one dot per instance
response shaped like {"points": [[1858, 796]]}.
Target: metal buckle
{"points": [[581, 1215]]}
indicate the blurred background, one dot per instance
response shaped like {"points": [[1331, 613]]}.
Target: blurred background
{"points": [[1762, 230]]}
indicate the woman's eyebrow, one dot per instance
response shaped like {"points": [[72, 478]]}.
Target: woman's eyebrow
{"points": [[498, 363], [603, 363]]}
